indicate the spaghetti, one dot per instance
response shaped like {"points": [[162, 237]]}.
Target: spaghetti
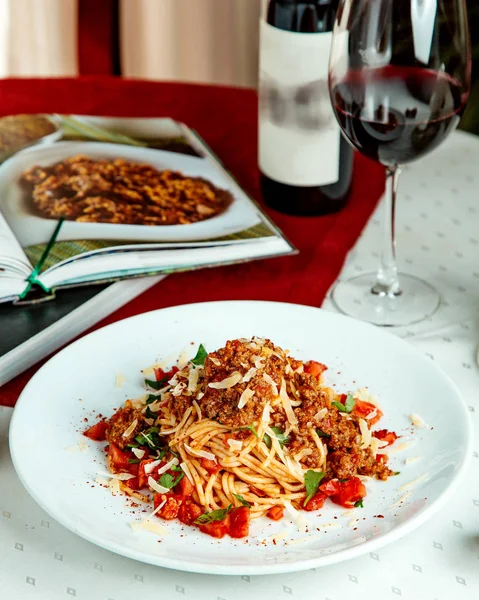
{"points": [[241, 433]]}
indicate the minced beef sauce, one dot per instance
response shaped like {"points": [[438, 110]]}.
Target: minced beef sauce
{"points": [[345, 456], [340, 432]]}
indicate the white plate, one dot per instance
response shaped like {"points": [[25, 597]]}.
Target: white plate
{"points": [[49, 415], [30, 228]]}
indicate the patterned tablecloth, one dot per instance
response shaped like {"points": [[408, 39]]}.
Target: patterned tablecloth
{"points": [[438, 238]]}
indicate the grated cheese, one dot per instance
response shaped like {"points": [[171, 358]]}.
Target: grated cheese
{"points": [[157, 509], [183, 360], [154, 406], [102, 481], [235, 445], [193, 377], [320, 414], [114, 486], [229, 382], [151, 466], [130, 429], [178, 389], [285, 400], [118, 476], [138, 453], [372, 414], [164, 468], [298, 518], [366, 434], [119, 380], [157, 487], [266, 412], [245, 396], [365, 395], [83, 445], [258, 361], [417, 421], [249, 375], [187, 472], [215, 361], [271, 382], [150, 526], [200, 453], [399, 448]]}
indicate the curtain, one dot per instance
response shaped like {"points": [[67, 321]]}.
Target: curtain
{"points": [[38, 37], [207, 41]]}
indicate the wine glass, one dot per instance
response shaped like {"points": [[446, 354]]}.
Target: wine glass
{"points": [[399, 80]]}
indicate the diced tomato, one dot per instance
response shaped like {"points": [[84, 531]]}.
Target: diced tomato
{"points": [[160, 374], [388, 436], [259, 493], [239, 522], [118, 458], [170, 509], [350, 492], [275, 513], [185, 487], [316, 502], [97, 432], [330, 488], [189, 511], [314, 368], [142, 476], [363, 409], [210, 465], [132, 483], [217, 529], [382, 458]]}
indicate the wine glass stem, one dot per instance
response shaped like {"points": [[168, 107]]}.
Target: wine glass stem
{"points": [[387, 282]]}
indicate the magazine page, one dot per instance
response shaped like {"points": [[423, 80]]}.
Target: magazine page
{"points": [[105, 189]]}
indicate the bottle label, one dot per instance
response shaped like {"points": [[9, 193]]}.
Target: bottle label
{"points": [[298, 132]]}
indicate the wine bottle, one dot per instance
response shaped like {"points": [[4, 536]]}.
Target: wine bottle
{"points": [[306, 165]]}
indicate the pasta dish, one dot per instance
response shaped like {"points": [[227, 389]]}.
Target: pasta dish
{"points": [[241, 433]]}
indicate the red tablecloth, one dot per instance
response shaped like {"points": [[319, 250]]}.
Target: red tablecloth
{"points": [[226, 118]]}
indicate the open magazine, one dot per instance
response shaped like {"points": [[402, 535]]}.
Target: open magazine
{"points": [[94, 199]]}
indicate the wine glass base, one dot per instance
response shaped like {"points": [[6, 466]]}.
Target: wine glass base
{"points": [[418, 300]]}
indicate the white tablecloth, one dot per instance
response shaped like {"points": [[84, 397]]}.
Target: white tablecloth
{"points": [[438, 238]]}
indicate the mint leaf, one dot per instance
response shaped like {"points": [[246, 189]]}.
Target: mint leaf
{"points": [[167, 481], [279, 435], [348, 406], [312, 479], [214, 515], [322, 434], [156, 385], [151, 398], [242, 500], [199, 359], [134, 461], [149, 414], [359, 504], [149, 438]]}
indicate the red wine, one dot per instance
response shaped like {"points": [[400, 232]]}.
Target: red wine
{"points": [[305, 163], [396, 114]]}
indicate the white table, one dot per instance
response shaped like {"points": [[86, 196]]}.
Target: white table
{"points": [[438, 238]]}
